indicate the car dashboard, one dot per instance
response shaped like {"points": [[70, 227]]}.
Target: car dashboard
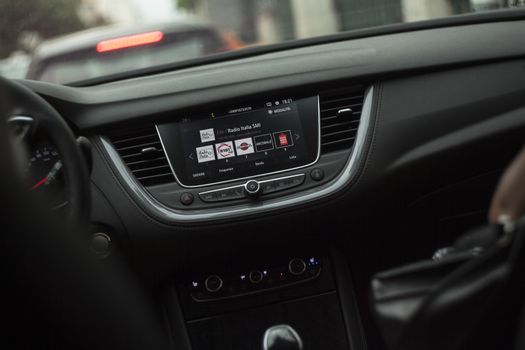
{"points": [[268, 189]]}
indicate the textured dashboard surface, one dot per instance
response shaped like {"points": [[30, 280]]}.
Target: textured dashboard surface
{"points": [[415, 51]]}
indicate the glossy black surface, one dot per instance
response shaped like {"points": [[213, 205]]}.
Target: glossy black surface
{"points": [[317, 320]]}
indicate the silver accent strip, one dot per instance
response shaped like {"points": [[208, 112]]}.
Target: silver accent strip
{"points": [[282, 178], [169, 215], [222, 189], [252, 176], [259, 181], [25, 123], [20, 118]]}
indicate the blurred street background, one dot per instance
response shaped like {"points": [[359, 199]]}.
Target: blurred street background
{"points": [[26, 23]]}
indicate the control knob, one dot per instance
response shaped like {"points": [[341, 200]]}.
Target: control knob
{"points": [[213, 283], [255, 276], [297, 266], [252, 188]]}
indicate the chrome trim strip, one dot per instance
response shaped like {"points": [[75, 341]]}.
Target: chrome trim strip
{"points": [[169, 215], [260, 182], [20, 118], [26, 124], [222, 189], [252, 176]]}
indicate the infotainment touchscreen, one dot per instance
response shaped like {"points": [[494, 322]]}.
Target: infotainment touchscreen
{"points": [[241, 141]]}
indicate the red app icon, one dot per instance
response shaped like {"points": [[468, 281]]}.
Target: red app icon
{"points": [[283, 140]]}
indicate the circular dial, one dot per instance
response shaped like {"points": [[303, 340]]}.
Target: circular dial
{"points": [[44, 174]]}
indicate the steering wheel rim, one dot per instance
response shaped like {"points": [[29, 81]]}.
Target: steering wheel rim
{"points": [[19, 100]]}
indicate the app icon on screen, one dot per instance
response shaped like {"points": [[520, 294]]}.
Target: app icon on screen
{"points": [[224, 150], [244, 146], [283, 139], [207, 135], [205, 154], [263, 142]]}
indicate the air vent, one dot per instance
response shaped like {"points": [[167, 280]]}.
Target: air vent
{"points": [[142, 152], [340, 115]]}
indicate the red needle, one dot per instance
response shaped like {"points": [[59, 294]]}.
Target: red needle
{"points": [[39, 183]]}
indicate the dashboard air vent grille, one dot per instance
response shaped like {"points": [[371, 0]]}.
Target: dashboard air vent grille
{"points": [[340, 115], [141, 150]]}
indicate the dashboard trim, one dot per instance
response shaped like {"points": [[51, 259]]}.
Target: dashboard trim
{"points": [[172, 216], [249, 177], [259, 181], [255, 292]]}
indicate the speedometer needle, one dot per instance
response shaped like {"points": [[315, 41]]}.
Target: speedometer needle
{"points": [[39, 183]]}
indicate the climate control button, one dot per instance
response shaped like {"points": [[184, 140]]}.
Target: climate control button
{"points": [[255, 276], [297, 266], [213, 283]]}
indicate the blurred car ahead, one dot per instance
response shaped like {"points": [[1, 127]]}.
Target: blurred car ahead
{"points": [[111, 50], [15, 66]]}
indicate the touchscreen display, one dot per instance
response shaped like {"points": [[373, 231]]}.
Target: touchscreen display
{"points": [[242, 141]]}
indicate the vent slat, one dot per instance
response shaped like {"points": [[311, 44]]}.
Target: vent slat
{"points": [[338, 125], [131, 139], [338, 132], [164, 168], [139, 146], [342, 106], [355, 115], [339, 100], [166, 176], [140, 162], [345, 141], [148, 169]]}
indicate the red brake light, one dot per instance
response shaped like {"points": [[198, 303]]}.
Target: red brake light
{"points": [[130, 41]]}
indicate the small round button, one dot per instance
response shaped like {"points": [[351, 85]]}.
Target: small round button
{"points": [[186, 198], [255, 276], [100, 244], [317, 174], [297, 266], [213, 283], [252, 188]]}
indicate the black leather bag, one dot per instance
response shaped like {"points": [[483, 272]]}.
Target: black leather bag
{"points": [[438, 303]]}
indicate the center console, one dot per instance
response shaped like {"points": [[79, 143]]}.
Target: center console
{"points": [[237, 304], [245, 159]]}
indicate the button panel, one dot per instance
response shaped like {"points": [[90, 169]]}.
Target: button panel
{"points": [[281, 184], [252, 281], [265, 187]]}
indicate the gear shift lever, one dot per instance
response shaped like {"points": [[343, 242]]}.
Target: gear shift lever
{"points": [[282, 337]]}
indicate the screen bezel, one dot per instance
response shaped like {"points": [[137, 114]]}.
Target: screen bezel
{"points": [[173, 143]]}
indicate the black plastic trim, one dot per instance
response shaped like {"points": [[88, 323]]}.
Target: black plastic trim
{"points": [[348, 301]]}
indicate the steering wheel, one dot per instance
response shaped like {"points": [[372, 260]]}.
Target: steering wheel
{"points": [[55, 294], [25, 111]]}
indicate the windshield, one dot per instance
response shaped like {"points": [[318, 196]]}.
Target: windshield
{"points": [[67, 41]]}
